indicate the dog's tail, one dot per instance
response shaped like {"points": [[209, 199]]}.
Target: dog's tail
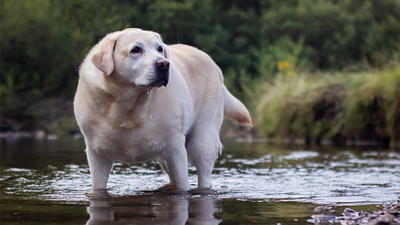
{"points": [[235, 110]]}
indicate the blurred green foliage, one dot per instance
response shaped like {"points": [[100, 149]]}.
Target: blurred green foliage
{"points": [[357, 106], [44, 41]]}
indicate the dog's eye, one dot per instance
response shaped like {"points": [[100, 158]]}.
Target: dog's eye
{"points": [[160, 49], [136, 49]]}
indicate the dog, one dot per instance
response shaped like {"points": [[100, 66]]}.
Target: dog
{"points": [[138, 99]]}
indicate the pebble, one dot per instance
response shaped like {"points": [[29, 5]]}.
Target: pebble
{"points": [[389, 215]]}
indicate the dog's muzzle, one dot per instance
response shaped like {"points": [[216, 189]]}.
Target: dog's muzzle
{"points": [[162, 73]]}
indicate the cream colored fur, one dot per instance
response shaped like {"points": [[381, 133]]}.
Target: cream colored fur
{"points": [[126, 113]]}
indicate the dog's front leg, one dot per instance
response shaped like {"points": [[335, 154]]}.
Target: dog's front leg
{"points": [[100, 167], [177, 164]]}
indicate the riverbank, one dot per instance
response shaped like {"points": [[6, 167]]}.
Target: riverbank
{"points": [[341, 108]]}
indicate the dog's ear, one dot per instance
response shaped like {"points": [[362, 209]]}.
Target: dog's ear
{"points": [[103, 56]]}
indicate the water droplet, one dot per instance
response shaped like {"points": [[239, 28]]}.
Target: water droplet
{"points": [[148, 91], [151, 116], [164, 87]]}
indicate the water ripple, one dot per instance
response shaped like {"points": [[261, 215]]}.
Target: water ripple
{"points": [[297, 175]]}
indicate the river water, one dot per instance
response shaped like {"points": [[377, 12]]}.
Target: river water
{"points": [[48, 181]]}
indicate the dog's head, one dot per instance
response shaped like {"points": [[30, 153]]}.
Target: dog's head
{"points": [[133, 56]]}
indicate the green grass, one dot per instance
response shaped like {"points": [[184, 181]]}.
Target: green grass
{"points": [[357, 106]]}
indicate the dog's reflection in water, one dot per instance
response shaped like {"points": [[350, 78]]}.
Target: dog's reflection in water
{"points": [[154, 208]]}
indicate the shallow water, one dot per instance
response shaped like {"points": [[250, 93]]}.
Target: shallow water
{"points": [[47, 182]]}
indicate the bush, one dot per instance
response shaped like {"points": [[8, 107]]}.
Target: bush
{"points": [[362, 106]]}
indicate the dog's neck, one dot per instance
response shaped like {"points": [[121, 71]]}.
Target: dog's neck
{"points": [[129, 106]]}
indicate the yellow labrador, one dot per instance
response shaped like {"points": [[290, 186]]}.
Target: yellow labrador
{"points": [[139, 99]]}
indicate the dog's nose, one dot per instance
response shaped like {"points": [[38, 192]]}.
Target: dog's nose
{"points": [[162, 64]]}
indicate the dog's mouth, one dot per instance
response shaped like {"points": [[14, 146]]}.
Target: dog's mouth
{"points": [[160, 82], [163, 81], [158, 78]]}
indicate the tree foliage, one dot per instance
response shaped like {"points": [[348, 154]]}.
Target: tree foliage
{"points": [[44, 41]]}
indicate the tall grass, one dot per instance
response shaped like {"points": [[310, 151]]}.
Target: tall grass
{"points": [[358, 106]]}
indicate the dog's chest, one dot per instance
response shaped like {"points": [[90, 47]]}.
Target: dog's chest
{"points": [[139, 144], [129, 147]]}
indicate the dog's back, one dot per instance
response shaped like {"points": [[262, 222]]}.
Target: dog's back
{"points": [[204, 78]]}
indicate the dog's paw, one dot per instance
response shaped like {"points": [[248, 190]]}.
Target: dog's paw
{"points": [[98, 193], [167, 187]]}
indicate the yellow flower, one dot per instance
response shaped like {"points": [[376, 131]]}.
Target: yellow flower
{"points": [[280, 65], [283, 64], [286, 64]]}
